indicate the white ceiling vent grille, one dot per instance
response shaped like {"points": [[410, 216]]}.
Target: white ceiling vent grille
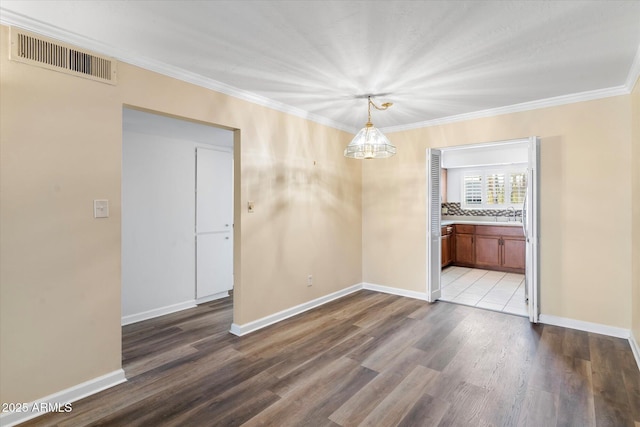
{"points": [[54, 55]]}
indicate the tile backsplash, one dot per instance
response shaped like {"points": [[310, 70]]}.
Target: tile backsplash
{"points": [[455, 209]]}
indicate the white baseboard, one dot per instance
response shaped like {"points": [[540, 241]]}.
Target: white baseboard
{"points": [[544, 318], [138, 317], [395, 291], [580, 325], [213, 297], [635, 349], [247, 328], [62, 398]]}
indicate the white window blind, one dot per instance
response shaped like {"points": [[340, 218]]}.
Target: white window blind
{"points": [[495, 189], [473, 190], [518, 186]]}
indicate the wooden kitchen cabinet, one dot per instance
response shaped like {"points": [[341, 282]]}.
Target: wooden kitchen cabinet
{"points": [[490, 246], [500, 248], [513, 255], [446, 245], [464, 245], [488, 251]]}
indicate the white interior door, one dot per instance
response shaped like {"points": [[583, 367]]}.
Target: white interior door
{"points": [[214, 215], [214, 265], [433, 224], [530, 224], [214, 190]]}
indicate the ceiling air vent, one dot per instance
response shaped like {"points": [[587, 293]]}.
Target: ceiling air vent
{"points": [[54, 55]]}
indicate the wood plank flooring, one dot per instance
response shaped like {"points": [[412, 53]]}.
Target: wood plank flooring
{"points": [[368, 359]]}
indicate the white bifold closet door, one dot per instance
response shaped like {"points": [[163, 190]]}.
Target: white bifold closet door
{"points": [[434, 203], [214, 222]]}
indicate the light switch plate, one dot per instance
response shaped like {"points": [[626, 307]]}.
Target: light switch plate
{"points": [[250, 207], [101, 208]]}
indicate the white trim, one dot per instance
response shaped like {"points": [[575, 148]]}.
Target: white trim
{"points": [[516, 108], [69, 395], [634, 72], [156, 312], [395, 291], [581, 325], [10, 18], [531, 228], [596, 328], [635, 349], [486, 144], [214, 147], [213, 297], [247, 328]]}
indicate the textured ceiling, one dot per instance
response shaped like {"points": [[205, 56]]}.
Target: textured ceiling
{"points": [[431, 59]]}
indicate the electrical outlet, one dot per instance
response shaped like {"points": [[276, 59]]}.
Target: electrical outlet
{"points": [[310, 280]]}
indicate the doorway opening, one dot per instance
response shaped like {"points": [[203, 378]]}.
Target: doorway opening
{"points": [[177, 214], [482, 222]]}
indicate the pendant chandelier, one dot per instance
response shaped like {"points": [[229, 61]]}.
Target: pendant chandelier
{"points": [[370, 143]]}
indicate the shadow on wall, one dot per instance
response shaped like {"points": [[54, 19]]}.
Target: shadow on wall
{"points": [[306, 197]]}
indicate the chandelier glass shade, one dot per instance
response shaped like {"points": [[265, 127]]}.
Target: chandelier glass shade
{"points": [[370, 143]]}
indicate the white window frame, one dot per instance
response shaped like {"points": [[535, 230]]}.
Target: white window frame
{"points": [[484, 173]]}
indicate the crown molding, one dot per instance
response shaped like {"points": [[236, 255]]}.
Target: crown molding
{"points": [[634, 72], [516, 108], [10, 18]]}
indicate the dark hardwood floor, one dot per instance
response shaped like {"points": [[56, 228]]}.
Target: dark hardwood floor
{"points": [[366, 359]]}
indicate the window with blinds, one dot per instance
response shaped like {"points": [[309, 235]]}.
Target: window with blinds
{"points": [[494, 189], [473, 190], [518, 185]]}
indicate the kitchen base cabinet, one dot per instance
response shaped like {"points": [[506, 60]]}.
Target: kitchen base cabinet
{"points": [[488, 251], [464, 245], [514, 253], [492, 247], [446, 246]]}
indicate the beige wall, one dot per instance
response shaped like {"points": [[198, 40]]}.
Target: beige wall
{"points": [[61, 140], [60, 148], [585, 207], [635, 226]]}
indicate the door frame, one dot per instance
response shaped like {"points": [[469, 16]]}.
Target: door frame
{"points": [[196, 142], [532, 230], [532, 236]]}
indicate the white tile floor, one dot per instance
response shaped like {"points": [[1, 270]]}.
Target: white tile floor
{"points": [[493, 290]]}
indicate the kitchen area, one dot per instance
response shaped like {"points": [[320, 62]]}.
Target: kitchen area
{"points": [[483, 245]]}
